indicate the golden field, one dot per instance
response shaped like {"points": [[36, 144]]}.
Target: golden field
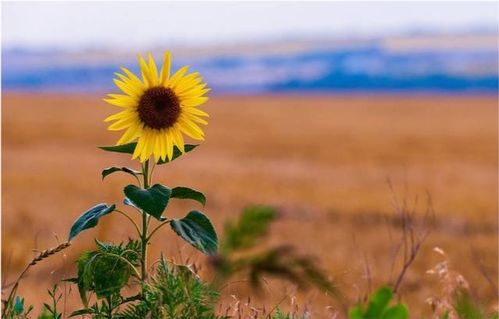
{"points": [[324, 161]]}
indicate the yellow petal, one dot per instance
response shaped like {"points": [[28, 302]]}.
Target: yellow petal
{"points": [[157, 146], [165, 69], [121, 100], [169, 145], [140, 146], [186, 85], [188, 77], [177, 76], [195, 111], [193, 93], [144, 70], [127, 89], [145, 152], [194, 101], [195, 90], [120, 115], [179, 140], [135, 80], [130, 134], [122, 96], [162, 145], [122, 124], [191, 129], [153, 71], [149, 144], [136, 89], [197, 119]]}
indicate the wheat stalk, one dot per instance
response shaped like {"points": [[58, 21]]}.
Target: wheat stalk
{"points": [[41, 256], [49, 252]]}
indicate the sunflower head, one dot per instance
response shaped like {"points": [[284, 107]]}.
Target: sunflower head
{"points": [[158, 109]]}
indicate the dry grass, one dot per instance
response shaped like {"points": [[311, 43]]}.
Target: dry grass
{"points": [[323, 160]]}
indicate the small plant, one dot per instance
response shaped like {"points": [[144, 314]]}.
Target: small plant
{"points": [[50, 311], [379, 307], [15, 308], [247, 233], [454, 300], [156, 111], [279, 314]]}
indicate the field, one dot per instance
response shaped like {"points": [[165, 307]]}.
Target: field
{"points": [[324, 161]]}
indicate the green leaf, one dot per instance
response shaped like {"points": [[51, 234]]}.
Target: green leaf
{"points": [[252, 225], [177, 153], [378, 302], [188, 193], [110, 170], [130, 148], [355, 313], [125, 148], [398, 311], [19, 305], [84, 278], [152, 201], [445, 315], [89, 219], [110, 274], [197, 230], [81, 312], [465, 306], [103, 273]]}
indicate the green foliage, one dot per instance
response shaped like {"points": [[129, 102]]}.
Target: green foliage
{"points": [[15, 308], [253, 223], [378, 307], [114, 169], [188, 193], [124, 148], [90, 218], [279, 314], [282, 262], [107, 270], [174, 292], [197, 230], [152, 201], [19, 306], [247, 232], [171, 293], [130, 148], [467, 308], [103, 310], [177, 153], [50, 311]]}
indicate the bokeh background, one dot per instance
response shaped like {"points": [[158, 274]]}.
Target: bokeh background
{"points": [[332, 112]]}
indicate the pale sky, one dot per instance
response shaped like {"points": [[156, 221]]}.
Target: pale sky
{"points": [[131, 24]]}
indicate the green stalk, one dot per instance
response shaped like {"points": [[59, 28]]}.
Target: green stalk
{"points": [[144, 237], [109, 306]]}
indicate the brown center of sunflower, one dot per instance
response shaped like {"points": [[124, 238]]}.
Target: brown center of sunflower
{"points": [[159, 108]]}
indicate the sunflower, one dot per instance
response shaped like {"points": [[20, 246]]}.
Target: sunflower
{"points": [[158, 109]]}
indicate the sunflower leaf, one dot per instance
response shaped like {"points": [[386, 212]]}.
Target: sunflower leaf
{"points": [[197, 230], [177, 153], [128, 202], [125, 148], [188, 193], [110, 170], [90, 218], [152, 201]]}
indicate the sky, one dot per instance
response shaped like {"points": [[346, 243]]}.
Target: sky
{"points": [[130, 24]]}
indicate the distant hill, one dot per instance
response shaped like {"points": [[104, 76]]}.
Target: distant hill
{"points": [[452, 63]]}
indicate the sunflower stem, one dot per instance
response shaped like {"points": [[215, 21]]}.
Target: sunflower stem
{"points": [[144, 236]]}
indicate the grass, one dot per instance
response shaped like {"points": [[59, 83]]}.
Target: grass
{"points": [[322, 160]]}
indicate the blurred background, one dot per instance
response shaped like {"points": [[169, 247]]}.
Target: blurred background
{"points": [[335, 113]]}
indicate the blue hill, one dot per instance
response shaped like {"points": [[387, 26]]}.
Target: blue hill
{"points": [[366, 68]]}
